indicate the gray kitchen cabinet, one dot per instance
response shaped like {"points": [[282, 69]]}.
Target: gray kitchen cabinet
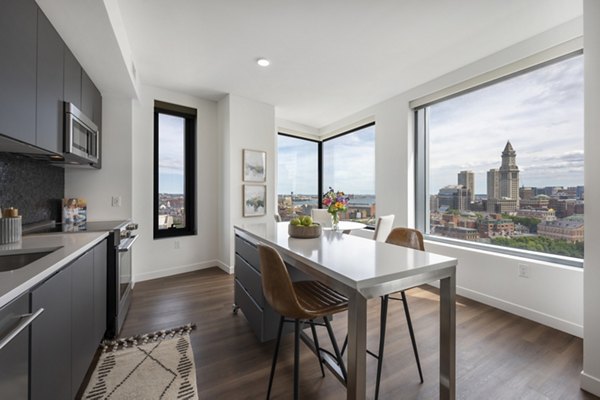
{"points": [[87, 95], [100, 290], [18, 44], [64, 339], [72, 79], [51, 338], [14, 356], [83, 343], [50, 69]]}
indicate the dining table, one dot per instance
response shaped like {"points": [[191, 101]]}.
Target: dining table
{"points": [[363, 269], [347, 226]]}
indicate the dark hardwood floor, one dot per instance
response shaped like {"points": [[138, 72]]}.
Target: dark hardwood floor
{"points": [[499, 355]]}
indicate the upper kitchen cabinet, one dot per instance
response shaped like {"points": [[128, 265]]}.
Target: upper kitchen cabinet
{"points": [[18, 51], [50, 66], [91, 100], [72, 84]]}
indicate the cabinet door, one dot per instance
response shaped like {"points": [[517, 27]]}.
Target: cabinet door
{"points": [[83, 343], [50, 65], [18, 24], [72, 79], [87, 95], [100, 290], [14, 357], [51, 339]]}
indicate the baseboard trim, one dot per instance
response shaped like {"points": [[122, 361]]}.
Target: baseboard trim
{"points": [[525, 312], [227, 268], [161, 273], [590, 383]]}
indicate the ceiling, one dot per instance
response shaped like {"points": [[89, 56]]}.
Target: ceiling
{"points": [[329, 58]]}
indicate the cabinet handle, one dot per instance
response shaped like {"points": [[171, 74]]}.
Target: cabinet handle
{"points": [[24, 322]]}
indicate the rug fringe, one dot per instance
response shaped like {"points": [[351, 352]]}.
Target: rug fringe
{"points": [[123, 343]]}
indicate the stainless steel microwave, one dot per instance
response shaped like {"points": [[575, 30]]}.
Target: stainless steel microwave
{"points": [[82, 137]]}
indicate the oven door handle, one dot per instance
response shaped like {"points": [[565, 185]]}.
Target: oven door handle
{"points": [[126, 246]]}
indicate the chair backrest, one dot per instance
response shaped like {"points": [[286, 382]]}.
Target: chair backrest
{"points": [[276, 283], [277, 217], [383, 227], [406, 237], [321, 216]]}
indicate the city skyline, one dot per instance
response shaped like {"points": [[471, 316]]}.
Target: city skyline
{"points": [[539, 112], [171, 154]]}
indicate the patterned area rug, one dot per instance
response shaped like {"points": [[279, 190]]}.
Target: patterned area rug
{"points": [[157, 365]]}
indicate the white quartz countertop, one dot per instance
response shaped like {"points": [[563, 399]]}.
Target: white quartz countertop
{"points": [[355, 261], [68, 248]]}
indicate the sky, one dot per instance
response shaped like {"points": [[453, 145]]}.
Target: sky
{"points": [[540, 112], [348, 164], [171, 154]]}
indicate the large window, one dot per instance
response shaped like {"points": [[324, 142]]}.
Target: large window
{"points": [[349, 165], [174, 170], [298, 176], [345, 162], [502, 164]]}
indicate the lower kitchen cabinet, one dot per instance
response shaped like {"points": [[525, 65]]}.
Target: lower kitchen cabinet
{"points": [[14, 355], [65, 337], [51, 339]]}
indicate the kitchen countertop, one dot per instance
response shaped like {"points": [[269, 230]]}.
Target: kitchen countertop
{"points": [[69, 247]]}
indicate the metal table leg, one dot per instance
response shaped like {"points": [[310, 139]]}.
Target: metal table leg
{"points": [[357, 350], [448, 337]]}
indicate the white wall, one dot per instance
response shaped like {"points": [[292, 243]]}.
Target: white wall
{"points": [[114, 178], [590, 377], [553, 294], [156, 258], [243, 124]]}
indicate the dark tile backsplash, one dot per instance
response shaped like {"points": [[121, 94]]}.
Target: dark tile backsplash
{"points": [[35, 187]]}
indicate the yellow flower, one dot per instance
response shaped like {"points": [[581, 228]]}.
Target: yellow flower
{"points": [[339, 205]]}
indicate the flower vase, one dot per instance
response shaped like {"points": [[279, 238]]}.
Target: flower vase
{"points": [[335, 221]]}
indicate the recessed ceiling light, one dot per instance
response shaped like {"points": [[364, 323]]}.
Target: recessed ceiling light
{"points": [[263, 62]]}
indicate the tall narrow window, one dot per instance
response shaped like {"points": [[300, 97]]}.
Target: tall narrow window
{"points": [[174, 170], [298, 177], [502, 164], [349, 166]]}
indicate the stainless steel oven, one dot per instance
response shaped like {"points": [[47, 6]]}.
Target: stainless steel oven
{"points": [[119, 276]]}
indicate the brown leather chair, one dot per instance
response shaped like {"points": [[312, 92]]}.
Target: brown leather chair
{"points": [[298, 302]]}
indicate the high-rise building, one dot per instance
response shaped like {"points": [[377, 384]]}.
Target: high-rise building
{"points": [[454, 197], [509, 174], [467, 179], [493, 184]]}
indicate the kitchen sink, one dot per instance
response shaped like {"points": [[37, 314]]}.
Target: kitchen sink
{"points": [[18, 259]]}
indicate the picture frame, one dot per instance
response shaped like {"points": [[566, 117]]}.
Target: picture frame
{"points": [[254, 166], [254, 200]]}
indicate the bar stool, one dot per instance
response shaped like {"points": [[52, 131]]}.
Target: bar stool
{"points": [[413, 239], [298, 302]]}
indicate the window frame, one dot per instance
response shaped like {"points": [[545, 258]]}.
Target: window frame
{"points": [[320, 157], [189, 190], [421, 175]]}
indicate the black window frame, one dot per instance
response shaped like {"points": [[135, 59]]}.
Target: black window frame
{"points": [[320, 190], [189, 191]]}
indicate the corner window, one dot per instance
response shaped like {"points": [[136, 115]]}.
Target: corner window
{"points": [[501, 166], [345, 162], [174, 170]]}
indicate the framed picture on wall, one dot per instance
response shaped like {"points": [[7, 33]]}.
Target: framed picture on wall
{"points": [[255, 197], [254, 166]]}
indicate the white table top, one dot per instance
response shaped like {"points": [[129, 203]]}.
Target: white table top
{"points": [[347, 226], [356, 262]]}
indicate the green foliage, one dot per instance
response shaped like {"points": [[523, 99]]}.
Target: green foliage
{"points": [[529, 222], [543, 245]]}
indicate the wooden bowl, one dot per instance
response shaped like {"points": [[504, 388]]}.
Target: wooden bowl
{"points": [[304, 232]]}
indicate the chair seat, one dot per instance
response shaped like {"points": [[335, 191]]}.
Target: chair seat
{"points": [[318, 299]]}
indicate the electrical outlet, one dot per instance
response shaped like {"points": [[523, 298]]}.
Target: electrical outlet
{"points": [[176, 244], [523, 271], [116, 201]]}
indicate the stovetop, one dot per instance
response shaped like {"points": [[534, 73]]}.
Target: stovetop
{"points": [[89, 226]]}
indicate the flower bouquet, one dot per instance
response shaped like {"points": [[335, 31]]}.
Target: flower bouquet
{"points": [[335, 203]]}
